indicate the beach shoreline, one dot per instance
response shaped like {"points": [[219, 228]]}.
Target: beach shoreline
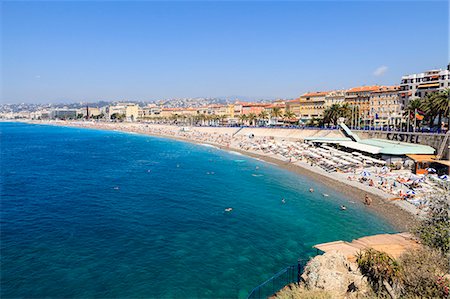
{"points": [[399, 214]]}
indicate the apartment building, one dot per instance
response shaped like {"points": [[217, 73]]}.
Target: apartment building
{"points": [[149, 111], [92, 111], [334, 97], [63, 113], [129, 110], [386, 106], [421, 84], [360, 97], [293, 106], [218, 110], [312, 105]]}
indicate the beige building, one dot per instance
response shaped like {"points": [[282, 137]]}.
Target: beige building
{"points": [[129, 110], [93, 111], [294, 107], [359, 97], [386, 105], [334, 97], [149, 111], [312, 105]]}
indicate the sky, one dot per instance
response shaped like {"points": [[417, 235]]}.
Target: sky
{"points": [[71, 51]]}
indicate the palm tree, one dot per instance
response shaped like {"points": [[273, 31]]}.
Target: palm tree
{"points": [[414, 104], [222, 118], [428, 105], [276, 112], [251, 117], [263, 115], [346, 111], [442, 103], [243, 118], [288, 115], [332, 114]]}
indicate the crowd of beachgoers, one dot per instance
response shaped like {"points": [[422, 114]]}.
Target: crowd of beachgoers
{"points": [[393, 182]]}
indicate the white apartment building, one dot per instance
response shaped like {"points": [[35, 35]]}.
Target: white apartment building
{"points": [[419, 85]]}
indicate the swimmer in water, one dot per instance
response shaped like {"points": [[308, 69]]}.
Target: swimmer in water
{"points": [[311, 190], [116, 188], [283, 201], [228, 209], [325, 195], [343, 208]]}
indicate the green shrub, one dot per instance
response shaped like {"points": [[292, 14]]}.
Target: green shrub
{"points": [[423, 273], [434, 231], [382, 271]]}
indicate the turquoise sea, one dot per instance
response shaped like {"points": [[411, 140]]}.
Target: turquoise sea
{"points": [[89, 213]]}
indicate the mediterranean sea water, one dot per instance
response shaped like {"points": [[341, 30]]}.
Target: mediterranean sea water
{"points": [[89, 213]]}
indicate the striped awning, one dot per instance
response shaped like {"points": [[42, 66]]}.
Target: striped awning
{"points": [[428, 85]]}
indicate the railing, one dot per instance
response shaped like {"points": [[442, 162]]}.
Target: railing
{"points": [[281, 279]]}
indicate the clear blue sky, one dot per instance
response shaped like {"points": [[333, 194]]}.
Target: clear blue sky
{"points": [[141, 50]]}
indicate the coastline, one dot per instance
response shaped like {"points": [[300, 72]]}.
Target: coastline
{"points": [[400, 215]]}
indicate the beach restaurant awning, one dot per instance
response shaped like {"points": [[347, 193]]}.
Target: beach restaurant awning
{"points": [[390, 147], [361, 147], [422, 158]]}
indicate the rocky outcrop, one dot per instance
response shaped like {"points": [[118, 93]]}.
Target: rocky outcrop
{"points": [[332, 272], [328, 276]]}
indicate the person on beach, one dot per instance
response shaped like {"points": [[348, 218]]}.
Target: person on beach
{"points": [[367, 200]]}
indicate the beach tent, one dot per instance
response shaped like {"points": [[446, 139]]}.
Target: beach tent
{"points": [[365, 173], [385, 169], [444, 177]]}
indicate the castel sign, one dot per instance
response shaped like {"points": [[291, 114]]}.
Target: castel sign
{"points": [[411, 138]]}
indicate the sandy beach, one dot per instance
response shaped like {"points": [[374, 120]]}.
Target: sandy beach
{"points": [[402, 215]]}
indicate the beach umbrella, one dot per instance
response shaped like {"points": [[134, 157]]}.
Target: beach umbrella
{"points": [[431, 169], [384, 169], [410, 192], [444, 177], [365, 173]]}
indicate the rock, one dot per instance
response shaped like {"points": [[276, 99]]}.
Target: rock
{"points": [[332, 272]]}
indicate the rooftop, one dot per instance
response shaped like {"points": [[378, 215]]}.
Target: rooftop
{"points": [[390, 147], [364, 88], [315, 94]]}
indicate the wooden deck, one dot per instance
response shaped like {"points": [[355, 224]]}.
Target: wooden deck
{"points": [[392, 244]]}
